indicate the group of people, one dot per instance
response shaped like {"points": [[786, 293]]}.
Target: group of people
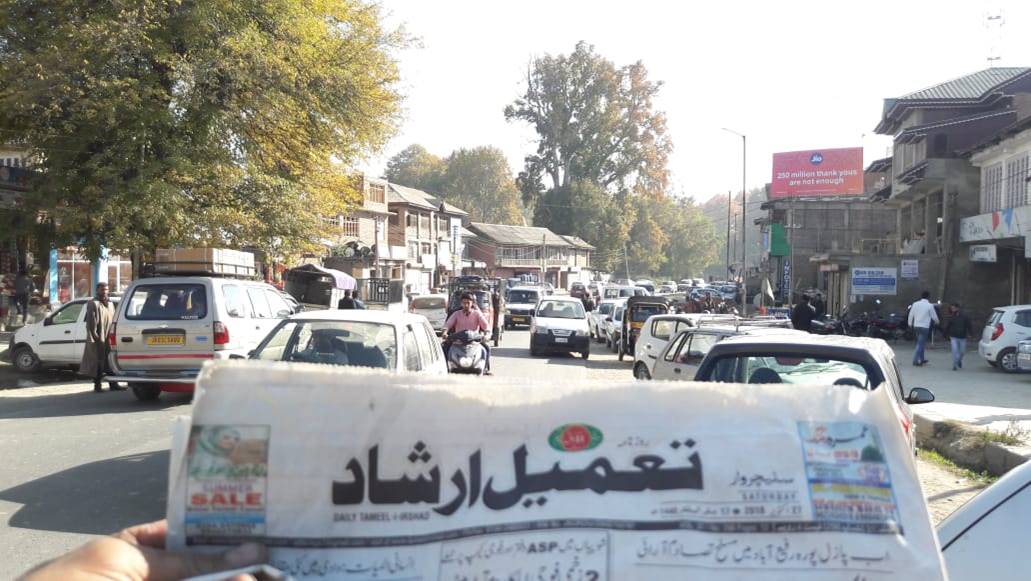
{"points": [[351, 300]]}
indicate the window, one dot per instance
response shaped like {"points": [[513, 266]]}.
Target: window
{"points": [[413, 250], [605, 308], [69, 314], [560, 310], [165, 302], [425, 345], [274, 349], [235, 303], [991, 188], [1023, 318], [674, 347], [429, 302], [1016, 181], [792, 369], [278, 306], [700, 345], [350, 226], [435, 351], [424, 224], [442, 229], [427, 248], [355, 343], [259, 305], [663, 328], [411, 348], [377, 193], [410, 220]]}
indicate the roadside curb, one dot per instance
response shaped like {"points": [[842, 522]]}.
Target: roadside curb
{"points": [[963, 444]]}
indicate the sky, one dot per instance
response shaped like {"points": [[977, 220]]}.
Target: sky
{"points": [[790, 75]]}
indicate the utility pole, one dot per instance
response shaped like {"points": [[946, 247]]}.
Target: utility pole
{"points": [[544, 260], [744, 214], [626, 261], [729, 204]]}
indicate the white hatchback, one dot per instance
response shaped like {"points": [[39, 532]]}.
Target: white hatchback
{"points": [[58, 339], [1005, 328], [433, 307]]}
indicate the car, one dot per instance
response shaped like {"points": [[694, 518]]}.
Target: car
{"points": [[991, 525], [560, 325], [682, 356], [656, 333], [646, 285], [166, 327], [666, 289], [1006, 327], [57, 340], [701, 294], [797, 357], [521, 303], [433, 307], [614, 326], [400, 342], [596, 319], [623, 292], [578, 290]]}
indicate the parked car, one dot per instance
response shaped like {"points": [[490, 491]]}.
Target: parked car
{"points": [[1006, 327], [433, 307], [596, 319], [656, 333], [795, 357], [614, 326], [57, 340], [521, 303], [682, 356], [167, 327], [360, 338], [560, 325], [990, 525]]}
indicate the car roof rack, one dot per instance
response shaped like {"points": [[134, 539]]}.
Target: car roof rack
{"points": [[739, 322]]}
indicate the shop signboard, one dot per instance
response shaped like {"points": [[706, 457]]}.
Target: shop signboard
{"points": [[983, 253], [910, 268], [868, 280]]}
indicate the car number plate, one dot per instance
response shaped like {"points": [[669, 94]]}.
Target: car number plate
{"points": [[166, 340], [519, 319], [561, 340]]}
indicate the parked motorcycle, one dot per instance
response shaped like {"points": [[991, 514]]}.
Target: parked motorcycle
{"points": [[466, 353], [827, 325], [890, 327], [856, 326]]}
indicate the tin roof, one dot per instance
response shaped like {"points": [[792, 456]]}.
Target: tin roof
{"points": [[525, 235]]}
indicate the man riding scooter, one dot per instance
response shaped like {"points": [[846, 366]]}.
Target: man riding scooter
{"points": [[469, 318]]}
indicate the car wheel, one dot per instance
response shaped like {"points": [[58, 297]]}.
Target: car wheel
{"points": [[1008, 360], [586, 355], [641, 371], [145, 391], [25, 360]]}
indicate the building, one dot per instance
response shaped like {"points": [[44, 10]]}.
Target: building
{"points": [[512, 251], [426, 233], [358, 243]]}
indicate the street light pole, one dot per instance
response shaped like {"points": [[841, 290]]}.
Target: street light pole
{"points": [[744, 219]]}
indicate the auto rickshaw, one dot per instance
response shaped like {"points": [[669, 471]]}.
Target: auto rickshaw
{"points": [[638, 309]]}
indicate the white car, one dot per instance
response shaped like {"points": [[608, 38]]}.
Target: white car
{"points": [[560, 325], [656, 332], [596, 319], [58, 339], [680, 359], [433, 307], [520, 304], [987, 537], [360, 338], [614, 326], [1005, 328], [167, 327]]}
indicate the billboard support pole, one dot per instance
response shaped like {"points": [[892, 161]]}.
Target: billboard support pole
{"points": [[730, 202], [744, 227]]}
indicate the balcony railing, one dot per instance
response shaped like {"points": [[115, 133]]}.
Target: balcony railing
{"points": [[502, 261], [876, 246]]}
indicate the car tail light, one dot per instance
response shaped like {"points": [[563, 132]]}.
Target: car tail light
{"points": [[999, 329], [221, 333], [111, 335]]}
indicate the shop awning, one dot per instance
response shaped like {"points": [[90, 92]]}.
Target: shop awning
{"points": [[778, 241]]}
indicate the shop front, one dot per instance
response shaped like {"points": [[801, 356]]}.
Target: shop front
{"points": [[73, 276]]}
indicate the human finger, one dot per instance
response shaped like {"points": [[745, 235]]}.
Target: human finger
{"points": [[178, 565], [152, 534]]}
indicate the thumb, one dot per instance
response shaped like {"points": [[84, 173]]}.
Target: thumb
{"points": [[178, 565]]}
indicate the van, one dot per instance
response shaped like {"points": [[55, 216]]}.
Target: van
{"points": [[167, 327]]}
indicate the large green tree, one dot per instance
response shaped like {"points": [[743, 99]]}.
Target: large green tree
{"points": [[203, 121], [417, 168]]}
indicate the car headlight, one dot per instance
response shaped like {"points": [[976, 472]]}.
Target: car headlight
{"points": [[540, 330], [1024, 347]]}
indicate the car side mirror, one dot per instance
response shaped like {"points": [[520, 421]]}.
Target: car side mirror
{"points": [[48, 321], [919, 395], [237, 356], [283, 313]]}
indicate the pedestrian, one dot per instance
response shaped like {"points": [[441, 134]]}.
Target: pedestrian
{"points": [[23, 288], [100, 314], [356, 299], [803, 314], [819, 306], [346, 303], [921, 316], [958, 328]]}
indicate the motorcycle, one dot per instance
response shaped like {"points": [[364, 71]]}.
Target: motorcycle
{"points": [[856, 326], [466, 353], [827, 325]]}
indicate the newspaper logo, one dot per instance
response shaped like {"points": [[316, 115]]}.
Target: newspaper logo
{"points": [[575, 438], [227, 478]]}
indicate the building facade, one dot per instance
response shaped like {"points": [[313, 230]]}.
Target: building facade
{"points": [[427, 232], [538, 253], [358, 244]]}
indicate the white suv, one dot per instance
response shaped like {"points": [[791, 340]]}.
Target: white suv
{"points": [[168, 327], [1005, 328]]}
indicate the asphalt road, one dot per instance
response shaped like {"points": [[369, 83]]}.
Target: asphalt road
{"points": [[77, 464]]}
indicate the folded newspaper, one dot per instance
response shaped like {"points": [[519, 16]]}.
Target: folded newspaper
{"points": [[349, 475]]}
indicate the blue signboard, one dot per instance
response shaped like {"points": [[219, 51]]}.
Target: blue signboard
{"points": [[874, 281]]}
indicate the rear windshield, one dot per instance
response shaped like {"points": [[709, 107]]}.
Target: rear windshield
{"points": [[428, 303], [642, 312], [996, 315], [332, 342], [523, 297], [560, 310], [605, 308], [167, 302], [790, 369]]}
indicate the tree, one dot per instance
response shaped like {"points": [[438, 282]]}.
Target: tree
{"points": [[715, 208], [416, 168], [479, 181], [211, 121]]}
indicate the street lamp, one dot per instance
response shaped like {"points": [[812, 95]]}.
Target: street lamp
{"points": [[744, 218]]}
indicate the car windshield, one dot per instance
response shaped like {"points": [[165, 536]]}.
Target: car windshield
{"points": [[605, 308], [561, 310], [167, 302], [523, 296], [354, 343], [428, 303], [790, 369], [642, 312]]}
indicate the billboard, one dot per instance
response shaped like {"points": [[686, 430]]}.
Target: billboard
{"points": [[817, 172], [874, 281]]}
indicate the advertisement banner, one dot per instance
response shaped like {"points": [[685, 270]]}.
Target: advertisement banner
{"points": [[910, 268], [354, 475], [874, 281], [818, 172]]}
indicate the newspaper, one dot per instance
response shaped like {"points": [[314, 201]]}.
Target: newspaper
{"points": [[349, 475]]}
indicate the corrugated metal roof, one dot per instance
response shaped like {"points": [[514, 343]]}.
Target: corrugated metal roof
{"points": [[968, 87], [399, 194], [578, 242], [518, 235]]}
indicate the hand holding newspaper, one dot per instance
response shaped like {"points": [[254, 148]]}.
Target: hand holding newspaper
{"points": [[349, 475]]}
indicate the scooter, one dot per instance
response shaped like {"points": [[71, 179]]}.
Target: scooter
{"points": [[467, 354]]}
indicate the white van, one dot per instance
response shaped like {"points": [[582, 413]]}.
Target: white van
{"points": [[168, 327]]}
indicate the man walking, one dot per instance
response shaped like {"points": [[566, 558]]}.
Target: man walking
{"points": [[23, 287], [356, 297], [803, 314], [921, 316], [100, 313], [957, 328]]}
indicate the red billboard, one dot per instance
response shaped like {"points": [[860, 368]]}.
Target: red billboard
{"points": [[818, 172]]}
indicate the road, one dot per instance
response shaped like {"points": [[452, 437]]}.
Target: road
{"points": [[76, 463]]}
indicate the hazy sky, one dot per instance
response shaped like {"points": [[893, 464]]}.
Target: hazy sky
{"points": [[791, 75]]}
